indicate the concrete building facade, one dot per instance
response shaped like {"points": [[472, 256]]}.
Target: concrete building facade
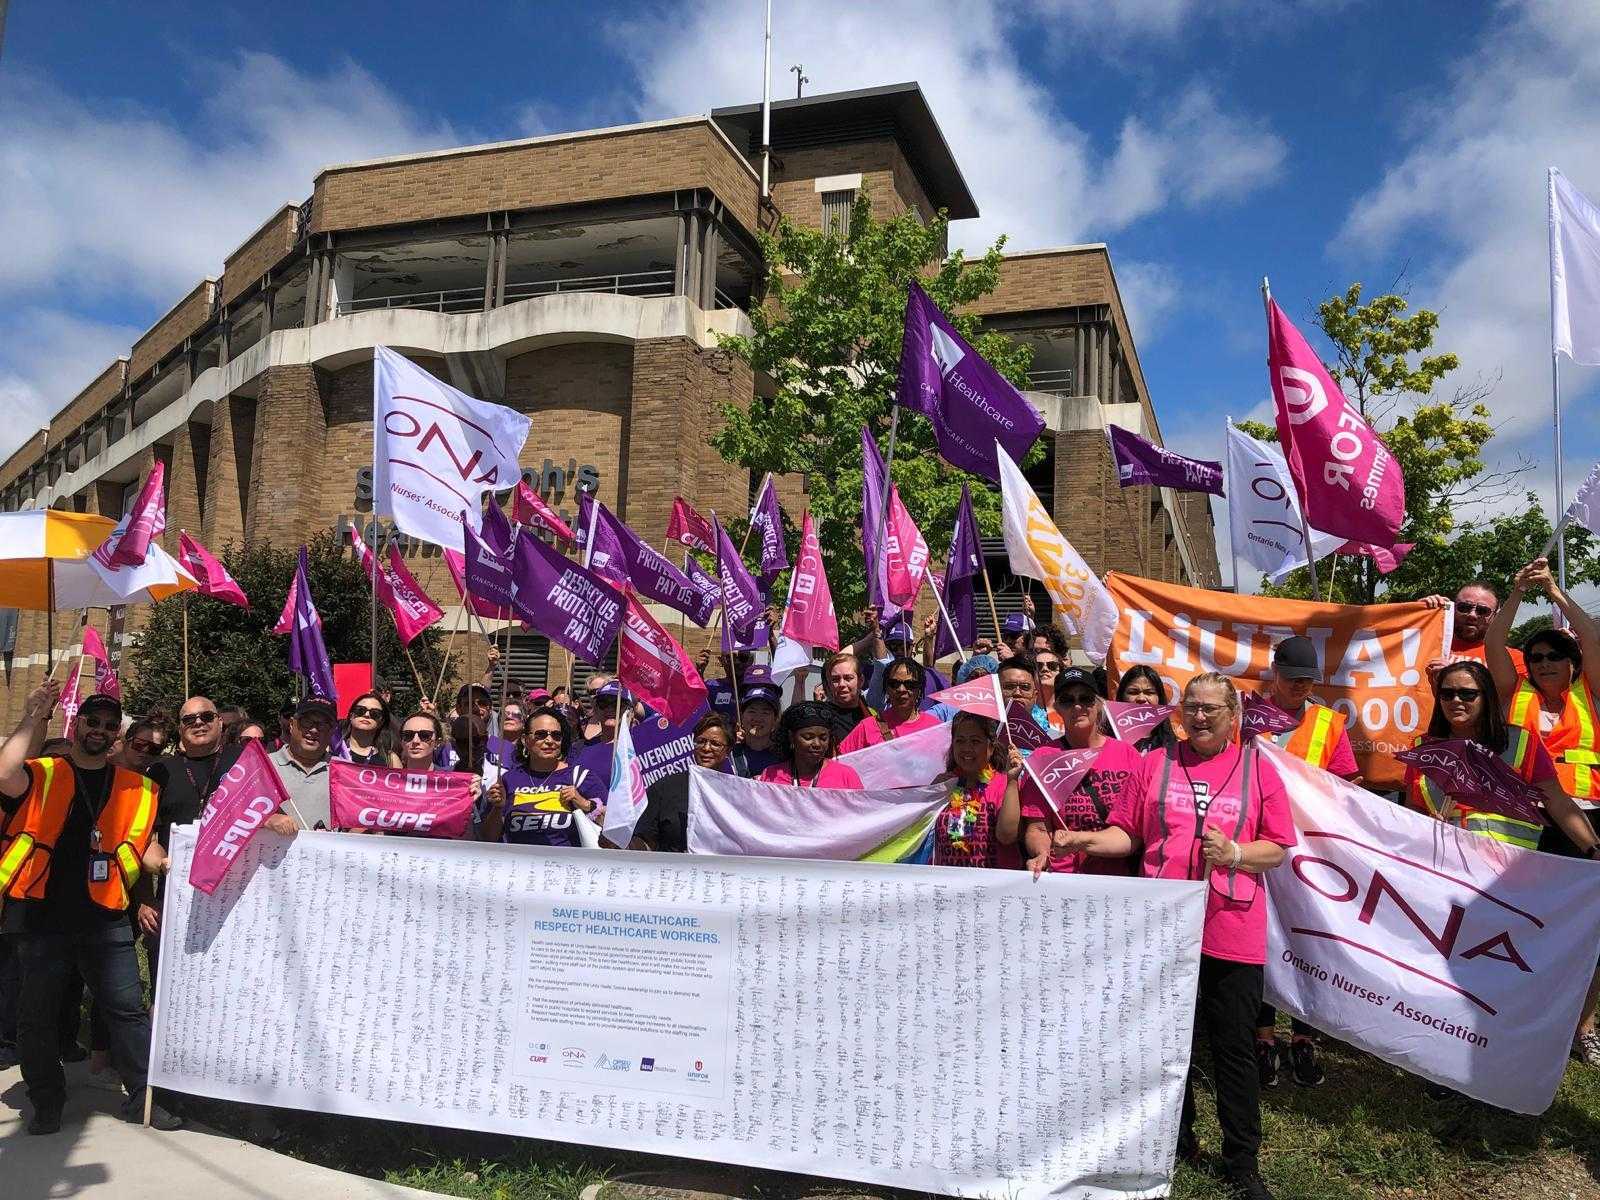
{"points": [[582, 278]]}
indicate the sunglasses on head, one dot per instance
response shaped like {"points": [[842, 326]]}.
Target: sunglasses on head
{"points": [[1466, 694], [1541, 656], [1474, 610], [366, 710], [198, 718], [416, 735]]}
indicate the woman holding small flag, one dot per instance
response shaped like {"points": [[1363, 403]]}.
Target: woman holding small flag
{"points": [[1211, 809], [902, 712], [1141, 685], [984, 812], [806, 748]]}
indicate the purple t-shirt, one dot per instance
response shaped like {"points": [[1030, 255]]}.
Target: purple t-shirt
{"points": [[595, 757], [535, 815]]}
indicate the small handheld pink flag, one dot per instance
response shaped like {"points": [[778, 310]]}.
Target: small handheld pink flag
{"points": [[249, 793], [981, 695], [1060, 775], [1130, 722], [1022, 729], [1386, 557], [129, 542], [809, 618], [529, 508], [211, 575]]}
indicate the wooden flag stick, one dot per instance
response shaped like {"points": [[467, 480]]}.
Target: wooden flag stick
{"points": [[994, 614], [444, 659]]}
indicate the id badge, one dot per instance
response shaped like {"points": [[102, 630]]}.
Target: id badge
{"points": [[99, 868]]}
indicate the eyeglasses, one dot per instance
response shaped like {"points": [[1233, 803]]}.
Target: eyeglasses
{"points": [[1535, 657], [366, 710], [544, 735], [145, 747], [1079, 700], [416, 735], [1203, 710], [1474, 610], [706, 743], [1018, 687], [190, 720], [909, 685], [1465, 694]]}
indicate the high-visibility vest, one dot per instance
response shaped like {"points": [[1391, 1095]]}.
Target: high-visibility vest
{"points": [[1316, 737], [1574, 743], [125, 826], [1429, 797]]}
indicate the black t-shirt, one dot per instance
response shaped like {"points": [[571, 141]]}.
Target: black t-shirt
{"points": [[665, 823], [186, 784], [843, 720], [66, 907]]}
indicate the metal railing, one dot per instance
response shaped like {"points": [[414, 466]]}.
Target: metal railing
{"points": [[1059, 383], [470, 299], [446, 300]]}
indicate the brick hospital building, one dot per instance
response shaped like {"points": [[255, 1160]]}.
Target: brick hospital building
{"points": [[582, 278]]}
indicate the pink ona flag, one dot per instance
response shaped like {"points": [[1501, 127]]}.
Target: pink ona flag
{"points": [[211, 575], [426, 803], [129, 542], [249, 793], [809, 618], [1130, 722], [529, 508], [1060, 775], [905, 553], [652, 666], [413, 611], [286, 618], [981, 695], [1349, 483]]}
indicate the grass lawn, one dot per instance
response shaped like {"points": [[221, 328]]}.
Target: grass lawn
{"points": [[1369, 1131]]}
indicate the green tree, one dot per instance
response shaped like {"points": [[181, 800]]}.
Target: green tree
{"points": [[1385, 360], [236, 659], [828, 339]]}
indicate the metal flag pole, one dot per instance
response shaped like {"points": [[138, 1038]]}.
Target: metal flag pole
{"points": [[766, 108], [1555, 402], [1305, 517], [883, 509], [1233, 542]]}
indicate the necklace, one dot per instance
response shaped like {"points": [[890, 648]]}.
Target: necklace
{"points": [[961, 814]]}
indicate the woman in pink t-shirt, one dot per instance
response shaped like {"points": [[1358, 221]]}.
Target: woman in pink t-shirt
{"points": [[1090, 804], [1207, 809], [902, 710], [984, 811], [805, 744]]}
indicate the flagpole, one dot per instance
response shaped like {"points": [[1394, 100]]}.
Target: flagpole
{"points": [[1233, 541], [444, 659], [372, 624], [505, 651], [766, 106], [186, 692], [883, 509], [1555, 402], [948, 623], [988, 590], [1305, 517]]}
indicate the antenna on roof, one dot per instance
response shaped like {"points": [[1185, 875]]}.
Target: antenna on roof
{"points": [[800, 80], [766, 107]]}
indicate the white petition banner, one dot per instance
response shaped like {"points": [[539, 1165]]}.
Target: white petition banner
{"points": [[436, 450], [1460, 958], [840, 1019]]}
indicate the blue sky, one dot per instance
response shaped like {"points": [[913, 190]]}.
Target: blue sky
{"points": [[1208, 142]]}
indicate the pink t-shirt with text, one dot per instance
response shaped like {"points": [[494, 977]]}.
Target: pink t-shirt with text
{"points": [[1236, 902], [867, 733], [962, 842], [1089, 807]]}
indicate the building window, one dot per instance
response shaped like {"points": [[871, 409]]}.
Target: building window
{"points": [[836, 211]]}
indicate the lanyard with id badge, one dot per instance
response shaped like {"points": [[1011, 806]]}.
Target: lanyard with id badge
{"points": [[100, 862]]}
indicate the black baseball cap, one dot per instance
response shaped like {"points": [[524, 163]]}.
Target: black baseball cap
{"points": [[315, 706], [1296, 658], [1075, 677], [101, 700]]}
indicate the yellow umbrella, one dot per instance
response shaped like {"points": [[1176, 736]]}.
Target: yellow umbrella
{"points": [[45, 565]]}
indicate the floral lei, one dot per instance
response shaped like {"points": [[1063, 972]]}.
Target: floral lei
{"points": [[961, 814]]}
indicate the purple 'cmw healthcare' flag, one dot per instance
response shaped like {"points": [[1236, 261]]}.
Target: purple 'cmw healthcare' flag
{"points": [[1140, 461], [565, 602], [971, 405], [617, 553], [487, 571], [308, 653]]}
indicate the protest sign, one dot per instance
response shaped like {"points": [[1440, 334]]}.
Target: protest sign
{"points": [[649, 1002], [249, 793], [426, 803], [1458, 957], [1374, 657], [564, 602], [665, 747]]}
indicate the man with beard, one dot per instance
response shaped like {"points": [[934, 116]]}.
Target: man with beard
{"points": [[77, 829], [1475, 605]]}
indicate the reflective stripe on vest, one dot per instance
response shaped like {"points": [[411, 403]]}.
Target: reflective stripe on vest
{"points": [[1573, 743], [1315, 738], [124, 825], [1503, 829]]}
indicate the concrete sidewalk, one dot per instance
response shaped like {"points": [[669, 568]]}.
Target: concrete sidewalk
{"points": [[97, 1154]]}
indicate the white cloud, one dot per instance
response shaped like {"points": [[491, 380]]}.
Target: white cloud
{"points": [[1150, 294], [1467, 201], [50, 356], [1036, 174], [1164, 19]]}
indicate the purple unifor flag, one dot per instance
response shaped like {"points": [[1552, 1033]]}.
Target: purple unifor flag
{"points": [[569, 604], [487, 571], [874, 499], [971, 405], [308, 654], [1140, 461], [1473, 775], [738, 591], [958, 591], [766, 518], [615, 552]]}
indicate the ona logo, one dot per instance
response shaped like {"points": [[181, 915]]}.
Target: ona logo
{"points": [[1303, 395], [944, 349]]}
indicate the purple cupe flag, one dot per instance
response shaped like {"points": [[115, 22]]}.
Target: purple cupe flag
{"points": [[958, 592], [569, 604], [210, 574], [874, 499], [702, 581], [129, 543], [1143, 462], [308, 654], [617, 553], [739, 594], [487, 574], [1349, 484], [971, 405], [766, 519]]}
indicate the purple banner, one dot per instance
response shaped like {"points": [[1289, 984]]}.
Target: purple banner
{"points": [[958, 591], [622, 556], [568, 604], [1140, 461], [664, 748], [1473, 775], [766, 518], [971, 405], [308, 653], [497, 531], [486, 571]]}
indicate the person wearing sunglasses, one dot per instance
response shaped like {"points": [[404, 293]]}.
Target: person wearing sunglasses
{"points": [[1214, 810], [1090, 804], [364, 732], [302, 764], [1047, 666], [902, 708], [187, 779], [538, 802], [1473, 608], [76, 843]]}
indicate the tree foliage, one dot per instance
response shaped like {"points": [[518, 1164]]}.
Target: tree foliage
{"points": [[826, 348], [234, 658]]}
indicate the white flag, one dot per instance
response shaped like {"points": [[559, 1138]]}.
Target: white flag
{"points": [[1574, 272], [1263, 512], [436, 450], [1036, 548], [625, 801], [1585, 506]]}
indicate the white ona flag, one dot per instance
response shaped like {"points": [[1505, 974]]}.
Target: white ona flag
{"points": [[1574, 272], [1459, 958], [1036, 548], [1263, 511], [436, 450]]}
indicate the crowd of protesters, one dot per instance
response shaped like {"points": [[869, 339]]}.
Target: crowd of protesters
{"points": [[1190, 798]]}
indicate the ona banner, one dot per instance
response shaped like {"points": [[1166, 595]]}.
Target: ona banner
{"points": [[1374, 657], [425, 803], [1457, 957]]}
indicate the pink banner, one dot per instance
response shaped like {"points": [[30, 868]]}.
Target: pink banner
{"points": [[655, 668], [981, 695], [210, 574], [249, 793], [905, 553], [810, 618], [529, 508], [129, 542], [1349, 483], [427, 803]]}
